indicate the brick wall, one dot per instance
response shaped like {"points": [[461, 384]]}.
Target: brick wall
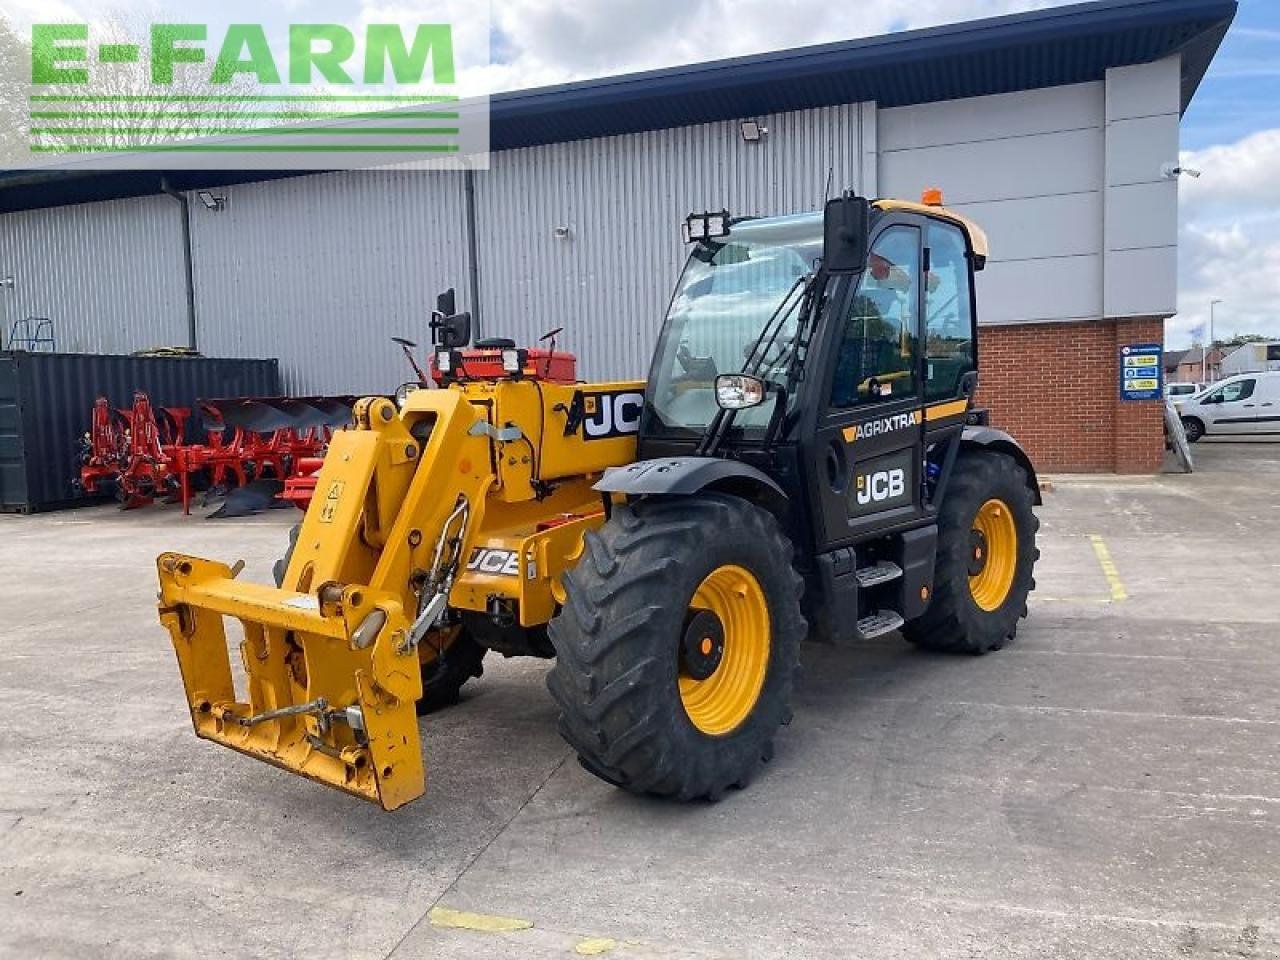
{"points": [[1056, 388]]}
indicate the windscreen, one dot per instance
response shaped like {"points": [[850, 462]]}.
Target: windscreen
{"points": [[726, 294]]}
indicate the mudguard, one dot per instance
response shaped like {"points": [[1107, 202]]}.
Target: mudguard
{"points": [[992, 439], [681, 475]]}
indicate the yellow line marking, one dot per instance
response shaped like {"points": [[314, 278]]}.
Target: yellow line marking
{"points": [[485, 923], [1109, 570], [950, 409], [594, 946]]}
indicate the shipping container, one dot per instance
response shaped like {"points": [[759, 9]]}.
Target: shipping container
{"points": [[46, 402]]}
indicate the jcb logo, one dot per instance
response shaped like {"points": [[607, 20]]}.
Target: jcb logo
{"points": [[504, 563], [881, 485], [611, 414]]}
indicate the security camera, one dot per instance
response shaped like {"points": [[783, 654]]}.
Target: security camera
{"points": [[1171, 171]]}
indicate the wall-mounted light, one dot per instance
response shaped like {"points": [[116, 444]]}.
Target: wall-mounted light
{"points": [[563, 233], [753, 131], [210, 201], [7, 282]]}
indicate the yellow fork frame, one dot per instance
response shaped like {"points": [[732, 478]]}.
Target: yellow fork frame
{"points": [[331, 677], [331, 680]]}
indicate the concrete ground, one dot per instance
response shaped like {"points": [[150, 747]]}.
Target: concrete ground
{"points": [[1107, 786]]}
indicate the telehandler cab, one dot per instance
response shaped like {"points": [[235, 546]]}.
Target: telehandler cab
{"points": [[804, 458]]}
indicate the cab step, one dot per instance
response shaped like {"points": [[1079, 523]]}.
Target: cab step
{"points": [[879, 623], [878, 573]]}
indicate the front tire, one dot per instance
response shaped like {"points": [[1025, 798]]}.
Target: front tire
{"points": [[677, 645], [444, 674], [986, 555]]}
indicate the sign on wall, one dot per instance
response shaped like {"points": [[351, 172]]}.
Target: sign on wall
{"points": [[1141, 371]]}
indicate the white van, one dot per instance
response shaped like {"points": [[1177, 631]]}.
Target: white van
{"points": [[1180, 391], [1245, 404]]}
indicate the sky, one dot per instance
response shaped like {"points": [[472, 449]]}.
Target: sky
{"points": [[1229, 218]]}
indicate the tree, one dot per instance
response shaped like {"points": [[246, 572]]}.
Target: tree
{"points": [[15, 59], [114, 118], [172, 111]]}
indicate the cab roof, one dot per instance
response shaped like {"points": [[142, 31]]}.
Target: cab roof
{"points": [[977, 236]]}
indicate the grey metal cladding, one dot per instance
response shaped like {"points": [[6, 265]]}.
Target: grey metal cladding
{"points": [[109, 275]]}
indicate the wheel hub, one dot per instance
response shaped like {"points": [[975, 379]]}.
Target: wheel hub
{"points": [[993, 554], [977, 552], [702, 646]]}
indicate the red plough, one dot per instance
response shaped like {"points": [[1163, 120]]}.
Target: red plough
{"points": [[141, 452]]}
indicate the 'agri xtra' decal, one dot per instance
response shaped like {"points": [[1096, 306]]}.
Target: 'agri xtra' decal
{"points": [[873, 428]]}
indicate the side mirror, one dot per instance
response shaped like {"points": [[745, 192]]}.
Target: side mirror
{"points": [[845, 223], [738, 391], [455, 330], [447, 303]]}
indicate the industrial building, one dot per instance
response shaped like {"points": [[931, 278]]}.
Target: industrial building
{"points": [[1057, 130]]}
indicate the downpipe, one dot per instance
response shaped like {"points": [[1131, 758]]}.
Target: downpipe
{"points": [[188, 271]]}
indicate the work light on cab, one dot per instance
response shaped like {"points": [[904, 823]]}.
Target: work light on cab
{"points": [[705, 226]]}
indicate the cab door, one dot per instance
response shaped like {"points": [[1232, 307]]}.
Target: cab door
{"points": [[865, 457]]}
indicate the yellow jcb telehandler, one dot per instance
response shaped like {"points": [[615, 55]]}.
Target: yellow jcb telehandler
{"points": [[804, 458]]}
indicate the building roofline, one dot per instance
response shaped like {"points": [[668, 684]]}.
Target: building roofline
{"points": [[1023, 51]]}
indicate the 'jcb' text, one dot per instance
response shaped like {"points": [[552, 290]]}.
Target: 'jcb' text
{"points": [[882, 485]]}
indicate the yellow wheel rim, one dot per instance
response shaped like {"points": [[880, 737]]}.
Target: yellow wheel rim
{"points": [[722, 701], [993, 554]]}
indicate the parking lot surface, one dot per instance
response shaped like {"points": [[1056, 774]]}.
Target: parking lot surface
{"points": [[1106, 786]]}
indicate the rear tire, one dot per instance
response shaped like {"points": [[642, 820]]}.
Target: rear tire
{"points": [[986, 555], [655, 584], [1193, 428]]}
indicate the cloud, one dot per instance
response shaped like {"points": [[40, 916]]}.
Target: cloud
{"points": [[1229, 239], [547, 43]]}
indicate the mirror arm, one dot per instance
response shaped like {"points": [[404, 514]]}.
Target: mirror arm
{"points": [[775, 419]]}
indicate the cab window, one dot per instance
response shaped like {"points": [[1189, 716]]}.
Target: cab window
{"points": [[1231, 392], [948, 312], [878, 352]]}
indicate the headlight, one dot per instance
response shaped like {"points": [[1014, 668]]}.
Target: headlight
{"points": [[737, 391], [403, 391]]}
